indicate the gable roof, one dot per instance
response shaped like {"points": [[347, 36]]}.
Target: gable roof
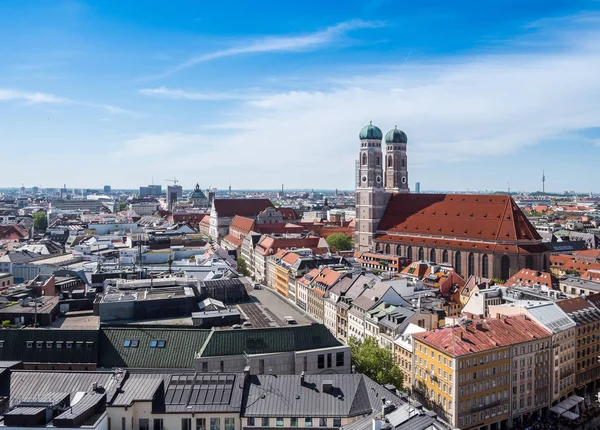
{"points": [[483, 335], [267, 340], [464, 216], [352, 395], [243, 207], [242, 224], [180, 347]]}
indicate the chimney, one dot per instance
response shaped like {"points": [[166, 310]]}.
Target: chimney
{"points": [[302, 378], [479, 326], [383, 410], [460, 334], [246, 372], [327, 386]]}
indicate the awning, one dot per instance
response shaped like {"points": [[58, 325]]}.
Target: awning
{"points": [[570, 415], [558, 410]]}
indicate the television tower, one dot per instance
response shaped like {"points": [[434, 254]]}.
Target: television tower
{"points": [[543, 182]]}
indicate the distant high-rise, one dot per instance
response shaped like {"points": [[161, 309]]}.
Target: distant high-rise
{"points": [[543, 182], [174, 194], [151, 191], [417, 187], [107, 189]]}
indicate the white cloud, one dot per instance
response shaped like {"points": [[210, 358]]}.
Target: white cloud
{"points": [[305, 42], [47, 98], [159, 144], [194, 95], [30, 97]]}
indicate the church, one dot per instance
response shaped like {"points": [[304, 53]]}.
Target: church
{"points": [[481, 235]]}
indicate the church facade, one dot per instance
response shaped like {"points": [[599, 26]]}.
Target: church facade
{"points": [[478, 234]]}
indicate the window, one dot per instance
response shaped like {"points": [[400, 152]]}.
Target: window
{"points": [[445, 256], [322, 422], [49, 344], [307, 422], [293, 422], [201, 423], [29, 344], [59, 344], [89, 345], [264, 422], [221, 366], [339, 359], [79, 344], [337, 422], [144, 424], [215, 424], [421, 254], [205, 367], [126, 343], [471, 264], [153, 343], [39, 344], [251, 422], [328, 360], [279, 421], [123, 424], [157, 424], [364, 159], [229, 423], [432, 255], [261, 366], [186, 423], [321, 361], [162, 343], [458, 263], [135, 343]]}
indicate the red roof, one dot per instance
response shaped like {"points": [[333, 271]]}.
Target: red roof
{"points": [[242, 224], [591, 275], [530, 277], [483, 335], [289, 214], [205, 220], [463, 216], [233, 240], [243, 207], [269, 245], [13, 232]]}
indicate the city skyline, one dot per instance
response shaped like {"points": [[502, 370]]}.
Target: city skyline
{"points": [[115, 95]]}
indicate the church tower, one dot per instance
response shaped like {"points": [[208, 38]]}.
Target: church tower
{"points": [[396, 167], [371, 197]]}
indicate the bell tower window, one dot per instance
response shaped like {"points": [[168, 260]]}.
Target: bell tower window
{"points": [[390, 161], [377, 161], [364, 159]]}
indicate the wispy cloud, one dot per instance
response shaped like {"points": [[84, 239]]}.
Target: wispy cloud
{"points": [[47, 98], [155, 144], [193, 95], [465, 112], [271, 44]]}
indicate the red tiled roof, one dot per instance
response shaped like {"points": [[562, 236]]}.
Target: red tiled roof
{"points": [[483, 335], [233, 240], [243, 207], [591, 275], [12, 231], [463, 216], [574, 304], [290, 258], [269, 245], [242, 224], [205, 220], [289, 214], [530, 277]]}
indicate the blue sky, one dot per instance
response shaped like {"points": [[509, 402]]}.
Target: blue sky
{"points": [[271, 92]]}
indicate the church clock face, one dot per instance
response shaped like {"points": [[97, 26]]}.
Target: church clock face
{"points": [[404, 179]]}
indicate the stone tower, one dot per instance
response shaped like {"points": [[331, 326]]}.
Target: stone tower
{"points": [[396, 167], [371, 197]]}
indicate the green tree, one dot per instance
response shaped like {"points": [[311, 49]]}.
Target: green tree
{"points": [[122, 206], [375, 362], [242, 267], [340, 241], [40, 221]]}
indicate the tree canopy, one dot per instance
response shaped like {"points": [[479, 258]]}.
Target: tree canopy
{"points": [[375, 362], [40, 221], [340, 241], [242, 267]]}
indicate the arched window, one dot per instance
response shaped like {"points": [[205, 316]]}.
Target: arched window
{"points": [[403, 162], [364, 159], [505, 267], [432, 255], [390, 161], [445, 256], [529, 262], [377, 160], [485, 266], [399, 250], [409, 253], [421, 254], [457, 262], [387, 248], [471, 264]]}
